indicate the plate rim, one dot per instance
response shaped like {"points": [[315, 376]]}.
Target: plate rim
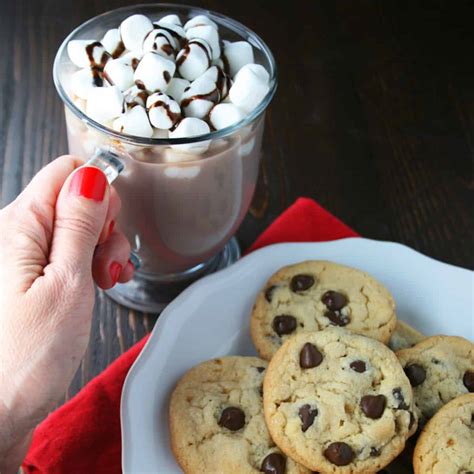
{"points": [[195, 287]]}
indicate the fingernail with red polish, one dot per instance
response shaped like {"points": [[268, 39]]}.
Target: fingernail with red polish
{"points": [[89, 182], [111, 228], [115, 270]]}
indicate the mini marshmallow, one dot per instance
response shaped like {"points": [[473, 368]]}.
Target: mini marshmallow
{"points": [[135, 96], [81, 105], [131, 58], [199, 20], [182, 172], [176, 32], [198, 99], [207, 33], [247, 147], [84, 80], [163, 111], [154, 72], [191, 127], [238, 54], [159, 133], [258, 70], [104, 104], [176, 88], [119, 73], [171, 19], [171, 155], [87, 53], [218, 62], [161, 42], [194, 59], [112, 42], [222, 81], [134, 30], [134, 122], [250, 87], [225, 115]]}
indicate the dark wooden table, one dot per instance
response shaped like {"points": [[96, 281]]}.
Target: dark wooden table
{"points": [[373, 118]]}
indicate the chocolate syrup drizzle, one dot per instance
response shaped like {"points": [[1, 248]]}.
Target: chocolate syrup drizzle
{"points": [[142, 95], [118, 50], [140, 85], [222, 83], [168, 49], [90, 54], [187, 50], [97, 69], [216, 95], [97, 77], [173, 33], [174, 117]]}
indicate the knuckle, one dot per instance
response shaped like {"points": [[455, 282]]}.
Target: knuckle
{"points": [[80, 225]]}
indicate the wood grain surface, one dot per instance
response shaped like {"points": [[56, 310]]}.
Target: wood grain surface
{"points": [[373, 118]]}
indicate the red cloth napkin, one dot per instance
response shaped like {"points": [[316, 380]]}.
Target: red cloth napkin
{"points": [[83, 436]]}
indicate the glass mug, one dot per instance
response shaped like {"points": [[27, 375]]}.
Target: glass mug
{"points": [[179, 216]]}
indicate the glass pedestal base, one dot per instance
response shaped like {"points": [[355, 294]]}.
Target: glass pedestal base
{"points": [[151, 293]]}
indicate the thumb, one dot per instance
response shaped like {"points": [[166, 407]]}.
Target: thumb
{"points": [[81, 210]]}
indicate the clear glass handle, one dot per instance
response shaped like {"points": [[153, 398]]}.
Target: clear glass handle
{"points": [[108, 161]]}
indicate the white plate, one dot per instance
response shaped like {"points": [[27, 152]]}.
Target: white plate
{"points": [[211, 318]]}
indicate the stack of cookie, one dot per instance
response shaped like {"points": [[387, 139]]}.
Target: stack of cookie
{"points": [[334, 397]]}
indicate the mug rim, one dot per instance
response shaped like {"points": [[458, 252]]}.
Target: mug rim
{"points": [[224, 20]]}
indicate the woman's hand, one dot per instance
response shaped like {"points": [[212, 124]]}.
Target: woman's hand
{"points": [[55, 238]]}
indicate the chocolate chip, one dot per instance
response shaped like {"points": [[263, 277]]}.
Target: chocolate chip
{"points": [[274, 463], [307, 416], [232, 418], [398, 395], [468, 380], [284, 324], [260, 369], [340, 454], [269, 293], [412, 421], [337, 318], [416, 374], [260, 390], [374, 452], [310, 356], [301, 283], [373, 405], [334, 300], [358, 366]]}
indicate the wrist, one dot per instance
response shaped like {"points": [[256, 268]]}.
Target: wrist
{"points": [[14, 441]]}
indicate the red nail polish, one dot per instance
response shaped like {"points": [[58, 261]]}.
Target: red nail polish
{"points": [[111, 228], [89, 182], [115, 270]]}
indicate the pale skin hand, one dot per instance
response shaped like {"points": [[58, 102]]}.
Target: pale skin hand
{"points": [[53, 245]]}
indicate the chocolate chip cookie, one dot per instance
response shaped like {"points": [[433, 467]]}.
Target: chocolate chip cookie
{"points": [[338, 402], [314, 295], [440, 368], [404, 336], [217, 424], [446, 444]]}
